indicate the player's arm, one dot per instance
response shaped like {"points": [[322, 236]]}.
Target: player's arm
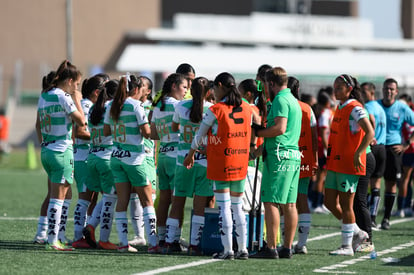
{"points": [[276, 130], [38, 131]]}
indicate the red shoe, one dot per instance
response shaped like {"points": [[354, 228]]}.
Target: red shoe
{"points": [[81, 243], [89, 233], [107, 245], [154, 249]]}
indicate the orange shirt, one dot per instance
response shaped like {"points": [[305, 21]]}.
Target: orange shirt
{"points": [[4, 128], [343, 143], [305, 142], [256, 110], [228, 150]]}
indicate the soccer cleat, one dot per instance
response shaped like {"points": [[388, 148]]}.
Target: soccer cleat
{"points": [[137, 241], [365, 247], [65, 241], [175, 247], [107, 245], [266, 253], [58, 246], [285, 253], [385, 224], [343, 251], [154, 249], [193, 250], [89, 233], [81, 243], [39, 240], [127, 248], [242, 255], [358, 239], [300, 250], [229, 255]]}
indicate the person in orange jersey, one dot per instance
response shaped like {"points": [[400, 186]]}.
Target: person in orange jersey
{"points": [[351, 133], [227, 126], [308, 145]]}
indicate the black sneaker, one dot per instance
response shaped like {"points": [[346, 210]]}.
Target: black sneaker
{"points": [[385, 224], [224, 256], [285, 253], [242, 255], [265, 253], [175, 247]]}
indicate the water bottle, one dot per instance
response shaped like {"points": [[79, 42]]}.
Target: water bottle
{"points": [[373, 255]]}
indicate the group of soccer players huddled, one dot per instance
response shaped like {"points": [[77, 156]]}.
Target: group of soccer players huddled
{"points": [[126, 145]]}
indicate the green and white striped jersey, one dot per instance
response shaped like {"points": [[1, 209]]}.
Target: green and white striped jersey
{"points": [[126, 135], [148, 143], [163, 120], [81, 146], [101, 146], [54, 109], [188, 131]]}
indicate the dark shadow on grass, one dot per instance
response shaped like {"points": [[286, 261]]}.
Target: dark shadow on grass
{"points": [[406, 261], [40, 248]]}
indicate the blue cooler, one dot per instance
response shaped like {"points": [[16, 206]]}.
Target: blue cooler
{"points": [[211, 240]]}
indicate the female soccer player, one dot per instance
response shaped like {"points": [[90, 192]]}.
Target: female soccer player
{"points": [[100, 178], [308, 145], [173, 90], [136, 210], [345, 164], [58, 105], [128, 124], [91, 88], [187, 118], [227, 124]]}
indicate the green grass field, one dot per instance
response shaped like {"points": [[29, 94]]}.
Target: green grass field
{"points": [[22, 191]]}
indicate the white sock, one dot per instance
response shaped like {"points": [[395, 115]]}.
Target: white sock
{"points": [[356, 229], [178, 233], [54, 211], [42, 227], [304, 223], [172, 228], [225, 220], [347, 234], [121, 221], [107, 215], [79, 217], [162, 230], [282, 229], [197, 226], [95, 218], [63, 220], [240, 222], [136, 212], [150, 221]]}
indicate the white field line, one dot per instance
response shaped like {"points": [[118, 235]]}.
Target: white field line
{"points": [[197, 263], [334, 268], [175, 267]]}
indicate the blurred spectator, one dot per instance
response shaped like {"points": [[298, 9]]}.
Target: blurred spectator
{"points": [[4, 133]]}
